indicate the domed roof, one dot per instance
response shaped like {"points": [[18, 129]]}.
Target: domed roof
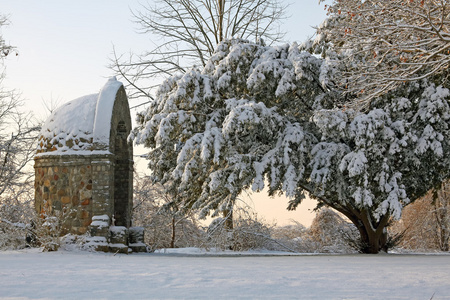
{"points": [[82, 125]]}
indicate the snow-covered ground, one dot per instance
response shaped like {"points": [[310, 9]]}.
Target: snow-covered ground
{"points": [[189, 274]]}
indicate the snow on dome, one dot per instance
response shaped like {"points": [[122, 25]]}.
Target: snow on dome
{"points": [[81, 125]]}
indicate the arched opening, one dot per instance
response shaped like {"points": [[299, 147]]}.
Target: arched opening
{"points": [[121, 177]]}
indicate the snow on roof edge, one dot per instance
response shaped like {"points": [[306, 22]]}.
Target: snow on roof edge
{"points": [[104, 110], [73, 152]]}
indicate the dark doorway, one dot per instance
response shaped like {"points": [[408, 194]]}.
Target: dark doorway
{"points": [[121, 177]]}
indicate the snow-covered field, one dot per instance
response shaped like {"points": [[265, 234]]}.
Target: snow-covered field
{"points": [[187, 274]]}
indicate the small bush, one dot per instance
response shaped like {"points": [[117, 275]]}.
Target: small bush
{"points": [[15, 214], [328, 233], [12, 235], [248, 233], [332, 233], [294, 237]]}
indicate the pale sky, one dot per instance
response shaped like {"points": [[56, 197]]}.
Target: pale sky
{"points": [[64, 49]]}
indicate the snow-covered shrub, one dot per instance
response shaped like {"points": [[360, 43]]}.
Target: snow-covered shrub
{"points": [[294, 237], [49, 229], [251, 233], [12, 236], [328, 233], [332, 233], [15, 219], [72, 242], [248, 232]]}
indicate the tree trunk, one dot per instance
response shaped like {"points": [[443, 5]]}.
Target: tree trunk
{"points": [[374, 237], [445, 242], [172, 239], [372, 242], [220, 24], [228, 227], [228, 216]]}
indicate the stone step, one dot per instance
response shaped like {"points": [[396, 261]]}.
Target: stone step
{"points": [[116, 239]]}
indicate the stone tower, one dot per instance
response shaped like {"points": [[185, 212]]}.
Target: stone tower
{"points": [[84, 169]]}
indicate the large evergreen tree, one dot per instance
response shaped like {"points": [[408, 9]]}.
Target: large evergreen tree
{"points": [[257, 114]]}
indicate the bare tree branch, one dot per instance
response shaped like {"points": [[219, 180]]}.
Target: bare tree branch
{"points": [[388, 42], [188, 32]]}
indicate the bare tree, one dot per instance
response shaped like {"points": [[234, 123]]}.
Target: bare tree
{"points": [[425, 224], [441, 212], [417, 226], [5, 49], [18, 132], [388, 42], [188, 32], [165, 225]]}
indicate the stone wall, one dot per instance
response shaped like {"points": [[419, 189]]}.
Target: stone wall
{"points": [[74, 188]]}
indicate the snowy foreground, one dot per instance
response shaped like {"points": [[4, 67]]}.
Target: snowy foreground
{"points": [[193, 274]]}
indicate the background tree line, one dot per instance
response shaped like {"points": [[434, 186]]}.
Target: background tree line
{"points": [[273, 79]]}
